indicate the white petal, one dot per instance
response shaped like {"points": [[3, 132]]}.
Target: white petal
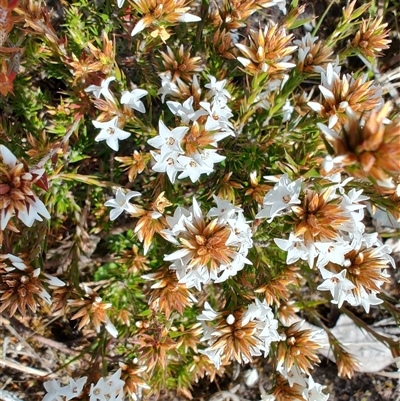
{"points": [[189, 18], [7, 156], [138, 27]]}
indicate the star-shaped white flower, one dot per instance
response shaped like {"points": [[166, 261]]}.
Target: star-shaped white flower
{"points": [[284, 194], [111, 133], [337, 284], [121, 203], [53, 389], [131, 99], [102, 89], [169, 164], [74, 388], [295, 248], [168, 141]]}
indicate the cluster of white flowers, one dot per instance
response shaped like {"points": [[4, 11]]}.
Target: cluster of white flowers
{"points": [[17, 196], [312, 391], [212, 251], [173, 155], [331, 80], [106, 389], [110, 131], [263, 334], [350, 237]]}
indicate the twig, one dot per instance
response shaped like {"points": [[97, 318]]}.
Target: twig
{"points": [[7, 396], [26, 369], [11, 329], [44, 340], [53, 151]]}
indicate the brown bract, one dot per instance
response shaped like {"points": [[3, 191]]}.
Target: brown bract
{"points": [[166, 294], [284, 392], [180, 64], [268, 51], [236, 340], [19, 289], [134, 164], [298, 349], [91, 310], [222, 44], [370, 150], [371, 38], [318, 217]]}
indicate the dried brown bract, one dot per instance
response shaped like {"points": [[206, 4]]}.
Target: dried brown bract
{"points": [[167, 294], [299, 349], [180, 64], [368, 150], [371, 37], [269, 51]]}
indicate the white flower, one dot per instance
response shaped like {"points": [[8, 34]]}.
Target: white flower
{"points": [[218, 116], [337, 284], [53, 389], [295, 248], [131, 99], [208, 314], [121, 203], [224, 209], [169, 164], [102, 89], [284, 194], [217, 91], [187, 17], [108, 389], [167, 86], [74, 388], [267, 397], [120, 3], [110, 133], [185, 111], [207, 158], [364, 299], [192, 168], [214, 355], [314, 391], [293, 376], [32, 213], [332, 251], [168, 141]]}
